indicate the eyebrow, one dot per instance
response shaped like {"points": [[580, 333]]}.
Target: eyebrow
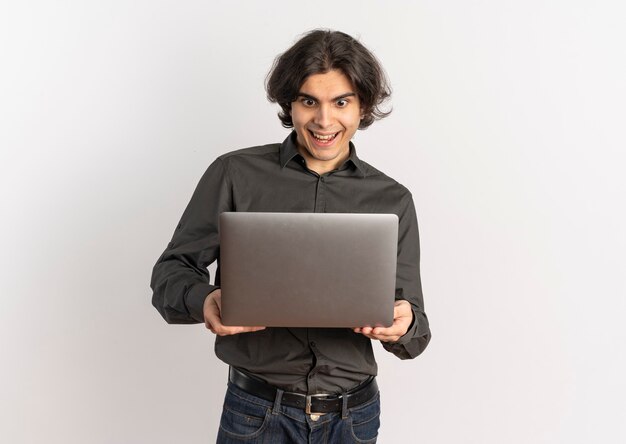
{"points": [[343, 96]]}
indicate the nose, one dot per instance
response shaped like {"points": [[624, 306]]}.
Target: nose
{"points": [[323, 116]]}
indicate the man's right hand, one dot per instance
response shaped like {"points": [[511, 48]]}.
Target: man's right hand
{"points": [[213, 319]]}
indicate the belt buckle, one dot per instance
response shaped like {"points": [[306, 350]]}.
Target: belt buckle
{"points": [[307, 407]]}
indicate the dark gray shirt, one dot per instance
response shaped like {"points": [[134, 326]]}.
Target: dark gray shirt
{"points": [[274, 178]]}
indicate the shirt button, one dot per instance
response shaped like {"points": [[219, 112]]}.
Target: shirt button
{"points": [[312, 344], [322, 179]]}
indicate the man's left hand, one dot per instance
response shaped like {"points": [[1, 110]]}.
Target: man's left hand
{"points": [[402, 318]]}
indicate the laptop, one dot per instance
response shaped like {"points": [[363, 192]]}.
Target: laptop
{"points": [[308, 269]]}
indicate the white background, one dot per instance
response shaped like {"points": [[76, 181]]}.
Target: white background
{"points": [[508, 127]]}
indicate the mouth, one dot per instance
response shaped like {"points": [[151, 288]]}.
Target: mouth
{"points": [[322, 139]]}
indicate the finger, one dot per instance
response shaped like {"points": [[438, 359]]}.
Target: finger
{"points": [[395, 328], [389, 334], [234, 330], [251, 329], [212, 323], [371, 335], [399, 327]]}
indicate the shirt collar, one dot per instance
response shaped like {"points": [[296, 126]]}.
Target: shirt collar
{"points": [[289, 150]]}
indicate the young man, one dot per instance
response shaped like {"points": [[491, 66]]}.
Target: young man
{"points": [[299, 384]]}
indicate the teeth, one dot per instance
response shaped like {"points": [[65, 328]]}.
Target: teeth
{"points": [[325, 138]]}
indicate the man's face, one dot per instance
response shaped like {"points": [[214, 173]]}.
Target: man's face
{"points": [[325, 115]]}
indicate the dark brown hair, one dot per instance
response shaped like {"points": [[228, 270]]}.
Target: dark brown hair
{"points": [[318, 52]]}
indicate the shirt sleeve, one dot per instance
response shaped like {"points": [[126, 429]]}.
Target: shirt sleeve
{"points": [[180, 279], [409, 285]]}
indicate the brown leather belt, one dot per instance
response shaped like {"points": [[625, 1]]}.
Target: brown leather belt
{"points": [[319, 403]]}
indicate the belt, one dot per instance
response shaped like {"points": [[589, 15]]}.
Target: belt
{"points": [[319, 403]]}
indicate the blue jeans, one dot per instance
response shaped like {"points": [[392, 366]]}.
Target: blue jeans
{"points": [[252, 420]]}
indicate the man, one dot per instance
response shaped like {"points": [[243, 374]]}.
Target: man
{"points": [[328, 85]]}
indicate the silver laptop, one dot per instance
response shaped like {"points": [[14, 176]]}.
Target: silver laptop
{"points": [[308, 269]]}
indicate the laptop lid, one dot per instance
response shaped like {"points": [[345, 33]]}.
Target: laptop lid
{"points": [[308, 269]]}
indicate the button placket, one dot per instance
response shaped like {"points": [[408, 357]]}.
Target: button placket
{"points": [[320, 198], [312, 384]]}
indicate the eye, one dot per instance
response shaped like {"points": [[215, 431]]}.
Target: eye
{"points": [[342, 103], [307, 102]]}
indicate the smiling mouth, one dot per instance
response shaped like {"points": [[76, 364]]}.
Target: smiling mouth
{"points": [[323, 139]]}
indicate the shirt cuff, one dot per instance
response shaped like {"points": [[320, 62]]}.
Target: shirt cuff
{"points": [[194, 300]]}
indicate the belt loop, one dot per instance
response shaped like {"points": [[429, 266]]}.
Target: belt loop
{"points": [[277, 401], [344, 406]]}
